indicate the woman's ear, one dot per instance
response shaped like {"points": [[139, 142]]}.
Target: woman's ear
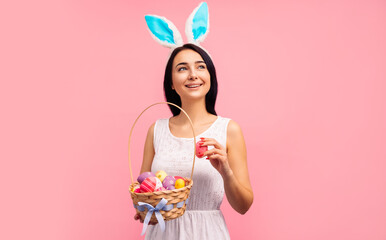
{"points": [[172, 87]]}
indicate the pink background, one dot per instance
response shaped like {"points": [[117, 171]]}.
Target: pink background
{"points": [[304, 79]]}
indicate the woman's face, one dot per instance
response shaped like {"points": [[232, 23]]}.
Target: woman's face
{"points": [[190, 76]]}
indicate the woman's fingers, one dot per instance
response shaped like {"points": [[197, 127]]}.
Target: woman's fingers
{"points": [[211, 141], [138, 217], [214, 151], [218, 152], [217, 156]]}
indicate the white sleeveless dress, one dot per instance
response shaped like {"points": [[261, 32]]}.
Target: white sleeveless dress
{"points": [[203, 218]]}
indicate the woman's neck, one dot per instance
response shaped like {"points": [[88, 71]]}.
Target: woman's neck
{"points": [[196, 111]]}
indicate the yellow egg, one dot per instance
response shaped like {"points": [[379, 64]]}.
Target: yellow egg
{"points": [[180, 183], [161, 175]]}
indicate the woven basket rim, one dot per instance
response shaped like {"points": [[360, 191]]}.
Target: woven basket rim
{"points": [[160, 192]]}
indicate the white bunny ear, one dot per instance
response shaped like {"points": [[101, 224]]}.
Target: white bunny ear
{"points": [[164, 31], [197, 25]]}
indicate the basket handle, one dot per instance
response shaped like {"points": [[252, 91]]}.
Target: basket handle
{"points": [[191, 124]]}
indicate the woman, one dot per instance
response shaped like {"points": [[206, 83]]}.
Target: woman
{"points": [[190, 82]]}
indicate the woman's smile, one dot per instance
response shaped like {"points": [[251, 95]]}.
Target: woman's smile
{"points": [[190, 76], [193, 85]]}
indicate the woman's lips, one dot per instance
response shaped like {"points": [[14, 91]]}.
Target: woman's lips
{"points": [[193, 86]]}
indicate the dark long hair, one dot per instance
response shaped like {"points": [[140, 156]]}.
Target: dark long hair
{"points": [[172, 96]]}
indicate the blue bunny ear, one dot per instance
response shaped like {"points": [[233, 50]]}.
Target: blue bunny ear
{"points": [[163, 31], [197, 25]]}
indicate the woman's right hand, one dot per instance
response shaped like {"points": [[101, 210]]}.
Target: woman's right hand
{"points": [[138, 217]]}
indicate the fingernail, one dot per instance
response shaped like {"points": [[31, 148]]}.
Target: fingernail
{"points": [[200, 143]]}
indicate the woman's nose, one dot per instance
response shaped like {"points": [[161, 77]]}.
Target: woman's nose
{"points": [[192, 75]]}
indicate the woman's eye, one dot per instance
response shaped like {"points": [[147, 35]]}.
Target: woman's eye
{"points": [[201, 66], [181, 68]]}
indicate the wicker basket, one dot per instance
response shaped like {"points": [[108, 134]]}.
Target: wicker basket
{"points": [[169, 204]]}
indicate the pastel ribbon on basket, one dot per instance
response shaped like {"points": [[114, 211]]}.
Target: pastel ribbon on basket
{"points": [[156, 210], [150, 210]]}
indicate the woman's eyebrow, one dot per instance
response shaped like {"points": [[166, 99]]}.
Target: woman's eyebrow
{"points": [[185, 63]]}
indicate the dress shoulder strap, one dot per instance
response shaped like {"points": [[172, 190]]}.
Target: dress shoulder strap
{"points": [[160, 131], [219, 130]]}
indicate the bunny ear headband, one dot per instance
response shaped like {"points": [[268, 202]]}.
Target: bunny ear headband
{"points": [[166, 33]]}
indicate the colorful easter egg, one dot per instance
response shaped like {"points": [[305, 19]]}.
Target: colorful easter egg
{"points": [[150, 184], [169, 180], [160, 189], [200, 150], [170, 187], [180, 183], [145, 175], [161, 175]]}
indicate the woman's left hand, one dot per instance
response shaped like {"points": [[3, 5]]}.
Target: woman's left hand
{"points": [[217, 156]]}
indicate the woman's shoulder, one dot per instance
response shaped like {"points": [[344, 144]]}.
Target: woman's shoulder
{"points": [[161, 120], [158, 122], [233, 128]]}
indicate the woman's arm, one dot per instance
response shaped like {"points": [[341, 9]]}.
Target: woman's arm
{"points": [[232, 165], [148, 152], [236, 182]]}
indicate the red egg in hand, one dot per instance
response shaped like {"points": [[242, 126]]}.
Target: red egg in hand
{"points": [[200, 150]]}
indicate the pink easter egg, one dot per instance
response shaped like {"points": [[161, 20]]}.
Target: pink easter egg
{"points": [[135, 188], [200, 150], [150, 184]]}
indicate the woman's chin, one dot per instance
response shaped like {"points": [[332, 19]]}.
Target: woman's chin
{"points": [[194, 97]]}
